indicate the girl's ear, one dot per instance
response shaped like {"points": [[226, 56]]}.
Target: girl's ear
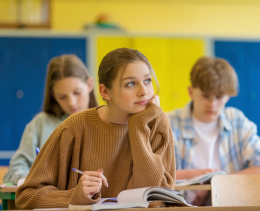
{"points": [[104, 92], [90, 83]]}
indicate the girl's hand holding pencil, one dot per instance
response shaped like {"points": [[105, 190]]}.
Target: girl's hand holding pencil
{"points": [[92, 181]]}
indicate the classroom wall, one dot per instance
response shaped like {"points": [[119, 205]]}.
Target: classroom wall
{"points": [[214, 17], [208, 17]]}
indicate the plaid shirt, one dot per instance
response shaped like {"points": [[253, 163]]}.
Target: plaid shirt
{"points": [[239, 146]]}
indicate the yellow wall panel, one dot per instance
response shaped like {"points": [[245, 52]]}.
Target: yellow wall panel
{"points": [[183, 55]]}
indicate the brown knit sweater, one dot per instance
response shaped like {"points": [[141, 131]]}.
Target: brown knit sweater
{"points": [[140, 154]]}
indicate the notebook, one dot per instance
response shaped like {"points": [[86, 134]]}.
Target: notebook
{"points": [[139, 197], [199, 179]]}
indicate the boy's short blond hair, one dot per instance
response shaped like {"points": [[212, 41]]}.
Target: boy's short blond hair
{"points": [[214, 76]]}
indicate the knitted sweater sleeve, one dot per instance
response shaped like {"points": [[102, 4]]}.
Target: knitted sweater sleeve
{"points": [[152, 148], [47, 182]]}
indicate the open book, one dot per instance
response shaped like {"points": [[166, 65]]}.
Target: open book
{"points": [[139, 197], [199, 179]]}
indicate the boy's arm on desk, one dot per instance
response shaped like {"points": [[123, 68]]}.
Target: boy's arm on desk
{"points": [[191, 173]]}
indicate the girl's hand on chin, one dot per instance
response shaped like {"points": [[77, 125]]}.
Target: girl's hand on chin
{"points": [[156, 100]]}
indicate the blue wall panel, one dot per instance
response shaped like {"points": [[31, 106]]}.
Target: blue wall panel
{"points": [[7, 60], [245, 58], [61, 46], [33, 55], [23, 66], [253, 66]]}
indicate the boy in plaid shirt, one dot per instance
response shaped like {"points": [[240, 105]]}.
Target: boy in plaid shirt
{"points": [[210, 137]]}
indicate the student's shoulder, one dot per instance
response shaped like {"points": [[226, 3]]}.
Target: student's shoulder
{"points": [[177, 116], [234, 114], [176, 113], [41, 119], [236, 117]]}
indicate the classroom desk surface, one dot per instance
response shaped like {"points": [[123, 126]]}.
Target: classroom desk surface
{"points": [[11, 189], [193, 187], [242, 208], [7, 194], [188, 187]]}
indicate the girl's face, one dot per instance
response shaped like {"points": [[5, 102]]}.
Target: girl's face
{"points": [[72, 94], [131, 91]]}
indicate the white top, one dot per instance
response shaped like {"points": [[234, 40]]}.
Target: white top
{"points": [[206, 149]]}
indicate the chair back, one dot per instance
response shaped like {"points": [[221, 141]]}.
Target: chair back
{"points": [[235, 190]]}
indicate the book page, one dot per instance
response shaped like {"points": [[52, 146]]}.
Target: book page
{"points": [[200, 178], [132, 196], [159, 197]]}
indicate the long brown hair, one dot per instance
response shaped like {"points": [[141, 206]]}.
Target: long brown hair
{"points": [[62, 67], [114, 60]]}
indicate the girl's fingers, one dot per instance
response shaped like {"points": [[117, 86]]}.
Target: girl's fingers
{"points": [[90, 184], [104, 179], [95, 174], [91, 178], [155, 99]]}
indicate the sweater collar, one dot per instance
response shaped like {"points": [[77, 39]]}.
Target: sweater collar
{"points": [[108, 128]]}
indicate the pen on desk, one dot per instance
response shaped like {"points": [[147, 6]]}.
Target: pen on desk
{"points": [[37, 150]]}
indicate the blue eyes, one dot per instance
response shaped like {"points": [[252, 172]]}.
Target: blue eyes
{"points": [[130, 84], [148, 81]]}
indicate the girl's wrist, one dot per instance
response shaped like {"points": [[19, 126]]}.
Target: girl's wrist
{"points": [[151, 112]]}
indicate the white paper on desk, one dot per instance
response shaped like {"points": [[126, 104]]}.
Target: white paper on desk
{"points": [[200, 179], [4, 185]]}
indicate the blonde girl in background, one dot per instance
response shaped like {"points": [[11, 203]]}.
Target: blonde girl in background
{"points": [[69, 89], [129, 138]]}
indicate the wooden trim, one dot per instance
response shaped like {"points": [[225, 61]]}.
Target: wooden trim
{"points": [[193, 187], [45, 25], [7, 189], [187, 187], [29, 26], [8, 25]]}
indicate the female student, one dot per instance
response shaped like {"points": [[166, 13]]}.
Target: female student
{"points": [[129, 138], [69, 89]]}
